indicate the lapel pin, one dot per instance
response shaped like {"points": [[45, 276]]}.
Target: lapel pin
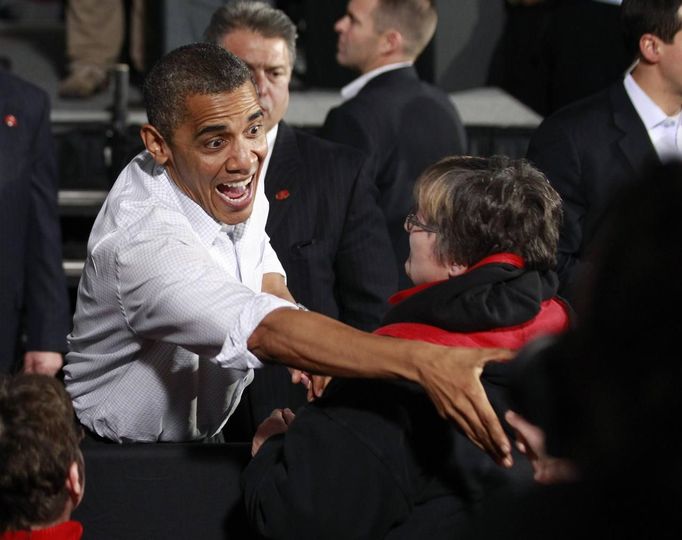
{"points": [[282, 194], [10, 120]]}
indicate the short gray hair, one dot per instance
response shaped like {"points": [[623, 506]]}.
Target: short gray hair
{"points": [[255, 16]]}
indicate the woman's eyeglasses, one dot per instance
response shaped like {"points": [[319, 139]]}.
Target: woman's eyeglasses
{"points": [[413, 224]]}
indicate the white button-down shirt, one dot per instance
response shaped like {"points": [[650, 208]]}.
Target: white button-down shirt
{"points": [[663, 130], [167, 301]]}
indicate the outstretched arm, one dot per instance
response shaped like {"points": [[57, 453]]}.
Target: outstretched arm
{"points": [[451, 376]]}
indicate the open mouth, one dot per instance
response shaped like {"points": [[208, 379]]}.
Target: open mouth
{"points": [[236, 194]]}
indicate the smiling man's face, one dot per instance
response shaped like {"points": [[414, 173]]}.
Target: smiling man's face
{"points": [[216, 152]]}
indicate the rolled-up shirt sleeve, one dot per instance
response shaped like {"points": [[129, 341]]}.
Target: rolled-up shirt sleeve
{"points": [[170, 289]]}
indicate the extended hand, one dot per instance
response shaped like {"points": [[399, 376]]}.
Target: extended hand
{"points": [[43, 362], [314, 384], [530, 440], [452, 380], [277, 422], [318, 384]]}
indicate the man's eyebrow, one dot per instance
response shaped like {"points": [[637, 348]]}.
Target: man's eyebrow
{"points": [[218, 128]]}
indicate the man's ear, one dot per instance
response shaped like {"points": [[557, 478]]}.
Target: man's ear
{"points": [[155, 144], [392, 43], [75, 483], [650, 48]]}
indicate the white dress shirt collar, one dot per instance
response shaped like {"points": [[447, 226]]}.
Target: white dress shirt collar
{"points": [[206, 227], [663, 130], [270, 137], [650, 113], [353, 88]]}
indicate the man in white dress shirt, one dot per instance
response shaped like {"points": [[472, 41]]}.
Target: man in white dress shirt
{"points": [[171, 319]]}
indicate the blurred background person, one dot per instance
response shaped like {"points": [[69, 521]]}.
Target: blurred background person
{"points": [[403, 123], [95, 33], [604, 400], [34, 307]]}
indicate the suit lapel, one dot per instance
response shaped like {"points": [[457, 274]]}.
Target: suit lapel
{"points": [[634, 142], [283, 178]]}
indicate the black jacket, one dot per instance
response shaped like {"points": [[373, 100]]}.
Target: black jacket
{"points": [[33, 295], [372, 459], [404, 125]]}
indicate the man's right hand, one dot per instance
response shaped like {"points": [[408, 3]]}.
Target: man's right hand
{"points": [[452, 380]]}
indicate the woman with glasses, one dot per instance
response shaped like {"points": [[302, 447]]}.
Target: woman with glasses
{"points": [[372, 459]]}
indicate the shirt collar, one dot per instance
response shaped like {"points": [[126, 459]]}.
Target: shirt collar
{"points": [[202, 223], [650, 113], [353, 88], [270, 136]]}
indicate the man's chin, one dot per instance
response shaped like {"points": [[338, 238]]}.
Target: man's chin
{"points": [[236, 217]]}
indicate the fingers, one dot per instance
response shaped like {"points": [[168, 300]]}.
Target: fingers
{"points": [[295, 375], [317, 386], [320, 382], [288, 416], [477, 419], [298, 376], [491, 433], [532, 437], [454, 386], [272, 425], [42, 362]]}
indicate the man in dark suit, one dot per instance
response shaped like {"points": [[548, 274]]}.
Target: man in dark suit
{"points": [[34, 311], [323, 220], [592, 149], [403, 123]]}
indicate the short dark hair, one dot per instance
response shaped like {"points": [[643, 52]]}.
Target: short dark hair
{"points": [[39, 440], [195, 69], [481, 206], [257, 17], [416, 20], [658, 17]]}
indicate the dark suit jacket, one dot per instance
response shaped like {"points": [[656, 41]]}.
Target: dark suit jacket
{"points": [[330, 236], [328, 231], [589, 151], [405, 125], [33, 297]]}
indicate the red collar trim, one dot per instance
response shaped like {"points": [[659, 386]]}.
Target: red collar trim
{"points": [[406, 293], [497, 258]]}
